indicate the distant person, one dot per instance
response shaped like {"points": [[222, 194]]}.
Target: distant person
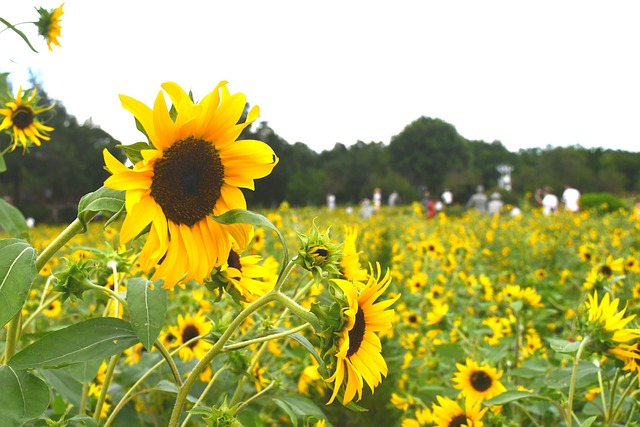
{"points": [[548, 200], [495, 204], [429, 204], [377, 199], [447, 197], [366, 210], [331, 201], [393, 198], [571, 198], [478, 201]]}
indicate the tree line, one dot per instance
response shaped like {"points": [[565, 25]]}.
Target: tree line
{"points": [[427, 154]]}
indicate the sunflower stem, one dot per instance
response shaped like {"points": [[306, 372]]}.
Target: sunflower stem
{"points": [[623, 396], [204, 394], [254, 397], [572, 385], [609, 415], [13, 333], [214, 351], [43, 306], [62, 239], [174, 369], [105, 386], [127, 396], [299, 311], [286, 271], [266, 338]]}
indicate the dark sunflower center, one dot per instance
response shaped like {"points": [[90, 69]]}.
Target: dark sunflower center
{"points": [[606, 270], [413, 318], [356, 334], [480, 380], [190, 332], [234, 261], [187, 181], [22, 117], [458, 421]]}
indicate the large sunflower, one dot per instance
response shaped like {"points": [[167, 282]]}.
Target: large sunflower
{"points": [[358, 357], [448, 413], [21, 115], [49, 25], [477, 382], [194, 170]]}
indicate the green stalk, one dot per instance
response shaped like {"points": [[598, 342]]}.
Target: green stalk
{"points": [[204, 394], [105, 386], [13, 333], [126, 397], [602, 396], [62, 239], [609, 416], [624, 395], [254, 397], [299, 310], [214, 351], [174, 369], [242, 344], [572, 385]]}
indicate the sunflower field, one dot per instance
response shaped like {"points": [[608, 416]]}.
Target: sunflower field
{"points": [[499, 321]]}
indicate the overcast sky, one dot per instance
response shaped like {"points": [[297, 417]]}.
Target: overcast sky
{"points": [[529, 74]]}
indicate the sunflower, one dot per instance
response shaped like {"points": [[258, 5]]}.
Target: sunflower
{"points": [[477, 382], [188, 328], [21, 115], [358, 358], [350, 262], [53, 310], [606, 322], [630, 355], [448, 413], [194, 169], [245, 274], [49, 25]]}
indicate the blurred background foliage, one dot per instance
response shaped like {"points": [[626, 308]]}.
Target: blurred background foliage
{"points": [[427, 154]]}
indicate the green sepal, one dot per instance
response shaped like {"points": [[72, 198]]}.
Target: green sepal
{"points": [[133, 151]]}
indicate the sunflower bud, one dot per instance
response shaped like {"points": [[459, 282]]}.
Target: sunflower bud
{"points": [[318, 254]]}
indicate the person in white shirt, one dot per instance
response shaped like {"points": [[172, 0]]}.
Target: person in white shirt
{"points": [[571, 199], [549, 202]]}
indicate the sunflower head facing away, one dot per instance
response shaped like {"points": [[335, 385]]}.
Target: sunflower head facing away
{"points": [[606, 323], [477, 382], [357, 357], [21, 118], [49, 25], [193, 169]]}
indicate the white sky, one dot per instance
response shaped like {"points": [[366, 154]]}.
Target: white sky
{"points": [[529, 74]]}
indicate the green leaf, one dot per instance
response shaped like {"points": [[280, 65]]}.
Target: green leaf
{"points": [[510, 396], [83, 419], [102, 200], [305, 343], [17, 271], [3, 164], [242, 216], [133, 150], [18, 32], [84, 372], [24, 396], [286, 408], [64, 384], [91, 339], [589, 421], [148, 309], [564, 346], [12, 220]]}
